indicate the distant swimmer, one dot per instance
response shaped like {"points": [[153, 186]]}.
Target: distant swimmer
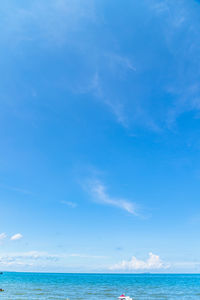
{"points": [[1, 290]]}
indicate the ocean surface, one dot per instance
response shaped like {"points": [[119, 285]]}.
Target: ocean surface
{"points": [[40, 286]]}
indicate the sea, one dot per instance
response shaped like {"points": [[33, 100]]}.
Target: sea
{"points": [[32, 286]]}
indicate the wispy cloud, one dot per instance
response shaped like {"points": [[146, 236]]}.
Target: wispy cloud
{"points": [[69, 203], [16, 237], [84, 255], [30, 255], [53, 20], [120, 63], [99, 193], [186, 265], [152, 263], [178, 35], [180, 27], [96, 86], [40, 258], [2, 236], [127, 78], [14, 189], [25, 258]]}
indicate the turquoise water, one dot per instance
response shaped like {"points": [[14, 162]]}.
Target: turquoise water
{"points": [[39, 286]]}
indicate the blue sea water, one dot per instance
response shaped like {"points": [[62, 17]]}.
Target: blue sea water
{"points": [[41, 286]]}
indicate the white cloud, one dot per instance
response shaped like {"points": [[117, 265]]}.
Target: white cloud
{"points": [[99, 193], [16, 237], [152, 263], [2, 236]]}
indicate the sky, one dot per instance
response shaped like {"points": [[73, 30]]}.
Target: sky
{"points": [[100, 136]]}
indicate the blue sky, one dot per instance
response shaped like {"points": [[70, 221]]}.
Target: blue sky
{"points": [[99, 139]]}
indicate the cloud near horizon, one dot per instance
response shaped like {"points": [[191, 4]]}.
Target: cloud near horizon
{"points": [[25, 258], [99, 193], [152, 263], [41, 258]]}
